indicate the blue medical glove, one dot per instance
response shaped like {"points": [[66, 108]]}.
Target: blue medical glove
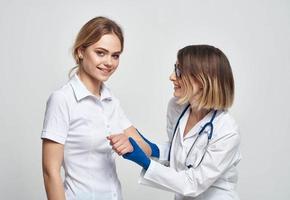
{"points": [[154, 147], [137, 155]]}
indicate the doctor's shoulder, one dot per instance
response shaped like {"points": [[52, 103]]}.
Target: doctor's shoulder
{"points": [[174, 109], [225, 126]]}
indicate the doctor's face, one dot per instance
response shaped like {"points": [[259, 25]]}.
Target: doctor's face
{"points": [[100, 60], [175, 77], [184, 84]]}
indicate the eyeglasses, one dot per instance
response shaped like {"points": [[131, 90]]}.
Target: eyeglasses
{"points": [[177, 71]]}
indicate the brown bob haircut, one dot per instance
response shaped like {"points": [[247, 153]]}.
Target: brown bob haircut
{"points": [[210, 68]]}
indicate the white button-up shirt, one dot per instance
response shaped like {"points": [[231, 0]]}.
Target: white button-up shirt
{"points": [[81, 121], [213, 175]]}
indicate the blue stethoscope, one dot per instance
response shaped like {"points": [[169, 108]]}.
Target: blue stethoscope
{"points": [[202, 130]]}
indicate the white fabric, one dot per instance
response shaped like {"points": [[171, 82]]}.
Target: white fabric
{"points": [[81, 121], [215, 177]]}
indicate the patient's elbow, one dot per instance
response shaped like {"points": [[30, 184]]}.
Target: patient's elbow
{"points": [[49, 172]]}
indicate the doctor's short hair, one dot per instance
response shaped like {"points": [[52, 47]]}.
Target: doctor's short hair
{"points": [[208, 66]]}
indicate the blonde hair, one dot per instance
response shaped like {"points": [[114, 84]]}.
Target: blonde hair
{"points": [[210, 68], [92, 32]]}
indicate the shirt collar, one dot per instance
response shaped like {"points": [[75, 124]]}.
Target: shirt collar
{"points": [[81, 91]]}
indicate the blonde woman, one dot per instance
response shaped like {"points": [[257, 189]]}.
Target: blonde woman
{"points": [[203, 148], [81, 114]]}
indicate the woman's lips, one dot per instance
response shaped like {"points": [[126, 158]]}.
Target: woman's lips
{"points": [[176, 86], [106, 71]]}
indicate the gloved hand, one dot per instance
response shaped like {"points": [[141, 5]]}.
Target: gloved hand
{"points": [[137, 155], [154, 147]]}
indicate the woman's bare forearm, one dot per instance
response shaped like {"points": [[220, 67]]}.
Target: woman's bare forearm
{"points": [[52, 157], [132, 132], [54, 187]]}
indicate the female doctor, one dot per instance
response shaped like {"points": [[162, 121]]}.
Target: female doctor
{"points": [[203, 151]]}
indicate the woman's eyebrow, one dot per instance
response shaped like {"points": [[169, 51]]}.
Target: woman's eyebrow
{"points": [[103, 49], [107, 51]]}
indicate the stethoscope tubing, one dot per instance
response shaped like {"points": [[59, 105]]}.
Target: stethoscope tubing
{"points": [[210, 124]]}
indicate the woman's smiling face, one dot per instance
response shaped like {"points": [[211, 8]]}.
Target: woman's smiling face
{"points": [[100, 60]]}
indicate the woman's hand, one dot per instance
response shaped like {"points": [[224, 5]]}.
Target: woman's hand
{"points": [[120, 143], [129, 149]]}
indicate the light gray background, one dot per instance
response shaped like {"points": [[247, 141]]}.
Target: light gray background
{"points": [[36, 38]]}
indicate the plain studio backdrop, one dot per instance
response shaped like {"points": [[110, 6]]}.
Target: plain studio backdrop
{"points": [[36, 39]]}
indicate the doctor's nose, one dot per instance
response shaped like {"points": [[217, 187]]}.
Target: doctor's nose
{"points": [[172, 77]]}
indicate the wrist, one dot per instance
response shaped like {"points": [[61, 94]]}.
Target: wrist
{"points": [[154, 150], [146, 163]]}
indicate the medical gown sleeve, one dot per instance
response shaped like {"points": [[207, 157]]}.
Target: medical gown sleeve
{"points": [[220, 155], [163, 150]]}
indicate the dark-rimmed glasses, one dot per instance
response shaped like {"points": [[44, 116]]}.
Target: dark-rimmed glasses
{"points": [[177, 71]]}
